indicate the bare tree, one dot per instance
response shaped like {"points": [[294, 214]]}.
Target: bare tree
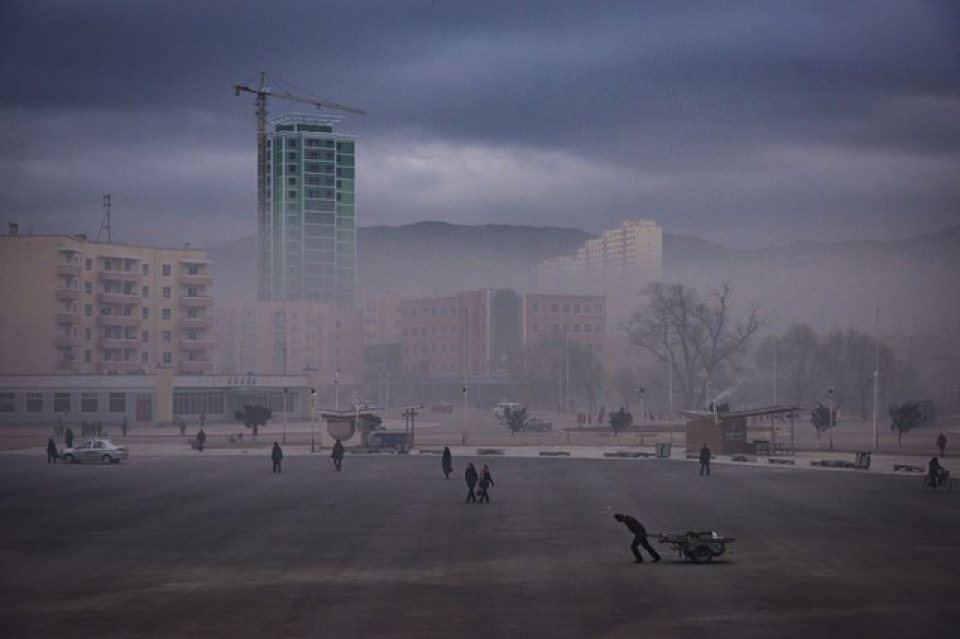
{"points": [[557, 363], [797, 361], [697, 337]]}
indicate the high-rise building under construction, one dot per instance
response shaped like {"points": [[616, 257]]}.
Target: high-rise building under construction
{"points": [[308, 248]]}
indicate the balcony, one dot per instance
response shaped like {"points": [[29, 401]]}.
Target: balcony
{"points": [[118, 298], [124, 321], [119, 276], [197, 344], [196, 301], [119, 367], [68, 270], [191, 323], [196, 280], [69, 294], [67, 342], [196, 368], [68, 366], [68, 318], [118, 342]]}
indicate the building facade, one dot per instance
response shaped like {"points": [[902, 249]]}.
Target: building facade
{"points": [[482, 334], [310, 253], [613, 262], [81, 307]]}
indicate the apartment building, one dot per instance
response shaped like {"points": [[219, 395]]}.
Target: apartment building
{"points": [[79, 307], [482, 334], [617, 259], [288, 338], [308, 244]]}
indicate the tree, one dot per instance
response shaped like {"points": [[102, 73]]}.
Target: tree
{"points": [[796, 357], [558, 363], [620, 420], [904, 419], [698, 338], [253, 417], [516, 418], [822, 419]]}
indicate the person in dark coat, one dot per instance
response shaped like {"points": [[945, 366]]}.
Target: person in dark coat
{"points": [[935, 472], [941, 443], [486, 481], [277, 456], [471, 477], [68, 437], [446, 462], [337, 455], [201, 439], [639, 538], [52, 454], [705, 455]]}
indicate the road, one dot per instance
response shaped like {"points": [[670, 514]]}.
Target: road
{"points": [[217, 546]]}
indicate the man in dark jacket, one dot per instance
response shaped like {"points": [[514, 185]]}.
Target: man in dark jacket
{"points": [[486, 481], [705, 455], [337, 454], [446, 462], [68, 437], [471, 477], [639, 538], [277, 456], [52, 454]]}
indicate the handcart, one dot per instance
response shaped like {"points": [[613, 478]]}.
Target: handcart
{"points": [[699, 547]]}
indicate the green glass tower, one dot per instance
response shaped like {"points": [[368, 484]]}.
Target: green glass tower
{"points": [[310, 253]]}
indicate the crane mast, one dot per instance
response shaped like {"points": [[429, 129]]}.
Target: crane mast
{"points": [[261, 92]]}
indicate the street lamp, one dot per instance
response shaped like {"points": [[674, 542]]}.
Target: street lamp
{"points": [[313, 420], [284, 415], [641, 394], [336, 392], [831, 422]]}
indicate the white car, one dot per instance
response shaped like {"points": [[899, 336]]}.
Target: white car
{"points": [[95, 450]]}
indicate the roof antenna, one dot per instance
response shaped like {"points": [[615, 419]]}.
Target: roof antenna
{"points": [[105, 223]]}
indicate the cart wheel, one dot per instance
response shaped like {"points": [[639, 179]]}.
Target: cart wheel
{"points": [[700, 555]]}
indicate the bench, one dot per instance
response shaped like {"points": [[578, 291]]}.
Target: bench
{"points": [[781, 461], [628, 455], [489, 451], [743, 458], [909, 468], [554, 453]]}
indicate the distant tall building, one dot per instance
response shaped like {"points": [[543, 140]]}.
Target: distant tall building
{"points": [[80, 307], [616, 261], [308, 246]]}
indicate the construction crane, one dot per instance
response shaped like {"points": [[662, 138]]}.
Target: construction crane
{"points": [[262, 91]]}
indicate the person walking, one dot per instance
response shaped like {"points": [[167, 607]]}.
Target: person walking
{"points": [[486, 481], [201, 439], [124, 425], [277, 456], [705, 456], [337, 455], [639, 538], [183, 426], [446, 462], [68, 437], [52, 454], [942, 443], [471, 477]]}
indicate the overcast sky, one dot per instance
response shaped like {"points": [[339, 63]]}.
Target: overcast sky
{"points": [[745, 123]]}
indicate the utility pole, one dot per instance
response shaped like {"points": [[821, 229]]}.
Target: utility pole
{"points": [[105, 223]]}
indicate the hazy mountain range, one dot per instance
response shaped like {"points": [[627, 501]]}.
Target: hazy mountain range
{"points": [[914, 281]]}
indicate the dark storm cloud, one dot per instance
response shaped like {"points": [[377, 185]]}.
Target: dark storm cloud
{"points": [[728, 120]]}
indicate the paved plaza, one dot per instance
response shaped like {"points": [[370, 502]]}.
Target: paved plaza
{"points": [[197, 545]]}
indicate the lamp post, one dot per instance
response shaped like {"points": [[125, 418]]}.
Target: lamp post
{"points": [[284, 415], [336, 390], [313, 420], [641, 394], [831, 422]]}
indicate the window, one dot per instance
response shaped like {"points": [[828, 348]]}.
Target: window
{"points": [[144, 358], [88, 310], [166, 314], [168, 336], [146, 269], [87, 334], [88, 287], [145, 336], [7, 403], [167, 270], [89, 403], [88, 356], [167, 292], [167, 358], [88, 264], [117, 402], [145, 312], [61, 402], [536, 307], [144, 291]]}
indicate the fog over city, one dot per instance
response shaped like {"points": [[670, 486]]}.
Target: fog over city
{"points": [[743, 124]]}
